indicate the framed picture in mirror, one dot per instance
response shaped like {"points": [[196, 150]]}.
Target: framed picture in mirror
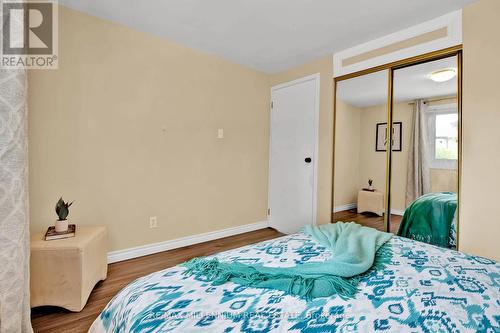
{"points": [[381, 136]]}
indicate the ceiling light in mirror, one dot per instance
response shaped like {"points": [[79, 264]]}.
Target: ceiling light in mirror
{"points": [[443, 75]]}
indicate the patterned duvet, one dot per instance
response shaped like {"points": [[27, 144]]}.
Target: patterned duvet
{"points": [[424, 289]]}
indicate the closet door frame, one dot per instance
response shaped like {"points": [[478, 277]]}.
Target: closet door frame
{"points": [[391, 67]]}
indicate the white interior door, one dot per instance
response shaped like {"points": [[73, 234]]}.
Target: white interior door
{"points": [[293, 154]]}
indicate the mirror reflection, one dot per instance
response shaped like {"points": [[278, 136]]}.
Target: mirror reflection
{"points": [[360, 150], [424, 152], [424, 176]]}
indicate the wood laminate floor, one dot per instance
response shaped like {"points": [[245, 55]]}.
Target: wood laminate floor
{"points": [[367, 219], [54, 320]]}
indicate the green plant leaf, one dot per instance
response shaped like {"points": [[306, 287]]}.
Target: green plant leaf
{"points": [[62, 209]]}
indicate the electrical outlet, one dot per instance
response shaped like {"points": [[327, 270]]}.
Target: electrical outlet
{"points": [[153, 222], [220, 133]]}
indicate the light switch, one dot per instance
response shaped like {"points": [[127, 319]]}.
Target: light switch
{"points": [[220, 133]]}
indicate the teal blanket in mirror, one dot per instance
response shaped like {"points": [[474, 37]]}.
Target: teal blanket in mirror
{"points": [[429, 218]]}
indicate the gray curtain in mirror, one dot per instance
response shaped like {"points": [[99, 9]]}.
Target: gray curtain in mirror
{"points": [[418, 172]]}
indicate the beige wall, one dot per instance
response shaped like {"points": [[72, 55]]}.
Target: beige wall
{"points": [[323, 66], [444, 180], [356, 160], [127, 128], [479, 219], [347, 154], [84, 153], [374, 163], [403, 112]]}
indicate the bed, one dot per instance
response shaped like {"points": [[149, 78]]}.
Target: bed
{"points": [[431, 218], [424, 289]]}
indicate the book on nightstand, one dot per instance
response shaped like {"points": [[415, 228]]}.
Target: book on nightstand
{"points": [[51, 233]]}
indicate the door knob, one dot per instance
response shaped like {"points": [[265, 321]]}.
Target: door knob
{"points": [[307, 160]]}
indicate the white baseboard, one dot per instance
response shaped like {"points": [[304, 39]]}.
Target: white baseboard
{"points": [[344, 207], [144, 250], [397, 212]]}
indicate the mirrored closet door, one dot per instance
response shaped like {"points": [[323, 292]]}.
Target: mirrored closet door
{"points": [[360, 150], [424, 171], [397, 148]]}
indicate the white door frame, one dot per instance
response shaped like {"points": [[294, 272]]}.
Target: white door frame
{"points": [[315, 77]]}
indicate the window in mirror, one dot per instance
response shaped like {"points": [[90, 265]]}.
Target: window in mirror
{"points": [[446, 137], [443, 122]]}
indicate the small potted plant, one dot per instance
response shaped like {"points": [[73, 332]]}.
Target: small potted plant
{"points": [[370, 184], [62, 211]]}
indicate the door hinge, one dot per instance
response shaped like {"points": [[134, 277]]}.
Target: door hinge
{"points": [[272, 104], [268, 211]]}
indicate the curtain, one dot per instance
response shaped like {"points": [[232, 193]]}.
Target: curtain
{"points": [[418, 173], [14, 225]]}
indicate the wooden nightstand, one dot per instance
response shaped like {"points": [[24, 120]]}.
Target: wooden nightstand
{"points": [[64, 271], [371, 202]]}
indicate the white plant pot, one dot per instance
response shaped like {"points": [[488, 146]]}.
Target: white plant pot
{"points": [[62, 226], [370, 187]]}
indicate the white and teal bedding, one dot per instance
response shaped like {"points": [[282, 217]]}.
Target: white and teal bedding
{"points": [[424, 289]]}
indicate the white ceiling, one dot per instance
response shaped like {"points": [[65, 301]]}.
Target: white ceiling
{"points": [[410, 83], [268, 35]]}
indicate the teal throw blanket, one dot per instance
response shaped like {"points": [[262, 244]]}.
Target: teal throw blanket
{"points": [[355, 250], [428, 219]]}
